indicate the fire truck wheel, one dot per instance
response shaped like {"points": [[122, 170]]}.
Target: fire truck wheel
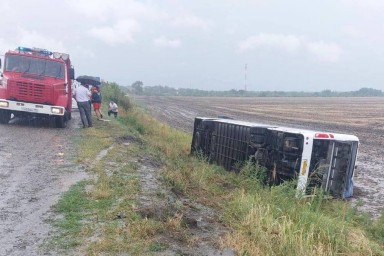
{"points": [[5, 116], [61, 121]]}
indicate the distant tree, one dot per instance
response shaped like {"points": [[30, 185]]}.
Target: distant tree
{"points": [[368, 92], [326, 93], [138, 87], [113, 91], [160, 90]]}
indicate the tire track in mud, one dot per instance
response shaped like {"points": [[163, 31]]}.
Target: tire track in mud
{"points": [[362, 117]]}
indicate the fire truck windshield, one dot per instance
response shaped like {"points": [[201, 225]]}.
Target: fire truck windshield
{"points": [[36, 66]]}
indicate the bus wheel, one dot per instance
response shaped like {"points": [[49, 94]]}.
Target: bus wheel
{"points": [[61, 121], [5, 116]]}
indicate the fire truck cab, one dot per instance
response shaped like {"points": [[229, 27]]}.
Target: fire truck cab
{"points": [[36, 82]]}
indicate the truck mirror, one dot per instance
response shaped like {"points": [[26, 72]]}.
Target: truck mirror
{"points": [[72, 73]]}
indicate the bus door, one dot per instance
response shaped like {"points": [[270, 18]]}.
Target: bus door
{"points": [[338, 170]]}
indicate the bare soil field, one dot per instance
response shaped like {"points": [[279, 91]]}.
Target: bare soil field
{"points": [[363, 117]]}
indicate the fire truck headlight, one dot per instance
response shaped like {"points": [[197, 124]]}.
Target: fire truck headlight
{"points": [[55, 110], [4, 104]]}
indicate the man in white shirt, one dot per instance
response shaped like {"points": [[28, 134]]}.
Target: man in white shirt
{"points": [[112, 108], [82, 95]]}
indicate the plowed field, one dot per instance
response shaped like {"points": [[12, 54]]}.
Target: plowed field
{"points": [[363, 117]]}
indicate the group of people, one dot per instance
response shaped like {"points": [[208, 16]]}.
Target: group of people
{"points": [[85, 98]]}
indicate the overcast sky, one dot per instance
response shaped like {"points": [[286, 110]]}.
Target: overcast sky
{"points": [[297, 45]]}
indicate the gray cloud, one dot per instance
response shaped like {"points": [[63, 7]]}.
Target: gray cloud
{"points": [[322, 51], [162, 41], [305, 45], [119, 33]]}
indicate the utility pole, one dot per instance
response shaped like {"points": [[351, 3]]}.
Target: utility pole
{"points": [[245, 77]]}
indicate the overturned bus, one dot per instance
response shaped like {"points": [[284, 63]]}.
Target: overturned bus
{"points": [[316, 159]]}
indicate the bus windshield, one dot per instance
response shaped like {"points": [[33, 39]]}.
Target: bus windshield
{"points": [[35, 66]]}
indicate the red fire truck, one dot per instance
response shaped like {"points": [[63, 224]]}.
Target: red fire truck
{"points": [[36, 82]]}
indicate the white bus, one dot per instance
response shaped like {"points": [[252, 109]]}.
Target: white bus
{"points": [[316, 159]]}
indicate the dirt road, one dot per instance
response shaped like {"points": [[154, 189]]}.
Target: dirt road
{"points": [[35, 168], [363, 117]]}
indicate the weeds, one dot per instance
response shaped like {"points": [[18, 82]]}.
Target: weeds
{"points": [[133, 123], [112, 91], [261, 220], [264, 220]]}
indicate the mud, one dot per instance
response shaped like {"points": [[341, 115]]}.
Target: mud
{"points": [[35, 168], [157, 202], [363, 117]]}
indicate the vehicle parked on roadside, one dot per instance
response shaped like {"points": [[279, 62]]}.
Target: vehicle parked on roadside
{"points": [[36, 82]]}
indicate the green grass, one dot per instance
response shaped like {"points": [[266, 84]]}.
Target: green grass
{"points": [[264, 220], [132, 122], [100, 216]]}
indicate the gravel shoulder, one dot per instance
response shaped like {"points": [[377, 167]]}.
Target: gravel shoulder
{"points": [[36, 167]]}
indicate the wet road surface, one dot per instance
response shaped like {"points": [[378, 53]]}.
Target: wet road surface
{"points": [[35, 168]]}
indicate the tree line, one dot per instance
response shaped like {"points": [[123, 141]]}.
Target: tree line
{"points": [[138, 88]]}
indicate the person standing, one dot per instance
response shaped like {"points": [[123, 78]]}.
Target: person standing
{"points": [[112, 108], [96, 101], [82, 95]]}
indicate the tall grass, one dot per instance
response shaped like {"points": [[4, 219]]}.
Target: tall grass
{"points": [[112, 91], [263, 220], [260, 220]]}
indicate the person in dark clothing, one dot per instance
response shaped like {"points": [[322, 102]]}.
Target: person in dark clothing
{"points": [[96, 101]]}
